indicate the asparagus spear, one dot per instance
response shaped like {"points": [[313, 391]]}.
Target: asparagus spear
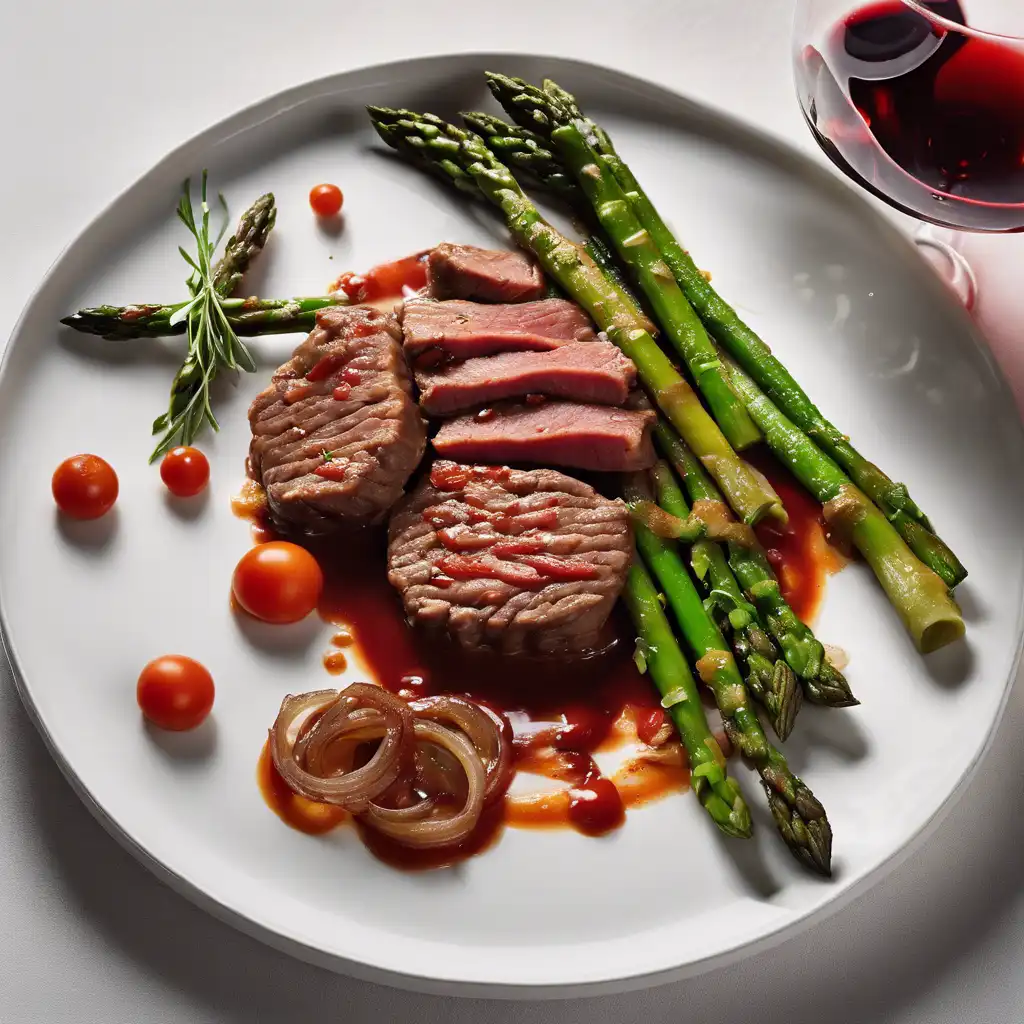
{"points": [[822, 682], [753, 354], [461, 158], [250, 236], [915, 591], [247, 317], [637, 250], [526, 151], [718, 794], [798, 815], [769, 678]]}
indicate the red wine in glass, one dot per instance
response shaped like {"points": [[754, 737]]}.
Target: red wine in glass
{"points": [[924, 112]]}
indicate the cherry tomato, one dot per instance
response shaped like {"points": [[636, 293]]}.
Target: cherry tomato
{"points": [[84, 487], [277, 582], [175, 692], [185, 471], [326, 200]]}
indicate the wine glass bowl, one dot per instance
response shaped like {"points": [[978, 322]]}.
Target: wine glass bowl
{"points": [[918, 105]]}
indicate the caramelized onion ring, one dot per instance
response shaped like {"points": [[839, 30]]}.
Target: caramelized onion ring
{"points": [[483, 728], [442, 829], [340, 716]]}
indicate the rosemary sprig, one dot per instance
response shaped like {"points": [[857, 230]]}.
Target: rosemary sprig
{"points": [[212, 342]]}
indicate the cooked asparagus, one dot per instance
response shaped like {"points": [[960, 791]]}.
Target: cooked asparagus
{"points": [[915, 591], [821, 681], [799, 816], [541, 110], [770, 679], [718, 794], [247, 317]]}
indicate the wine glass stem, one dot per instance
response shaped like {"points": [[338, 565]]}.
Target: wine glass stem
{"points": [[939, 246]]}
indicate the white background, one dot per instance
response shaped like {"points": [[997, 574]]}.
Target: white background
{"points": [[96, 91]]}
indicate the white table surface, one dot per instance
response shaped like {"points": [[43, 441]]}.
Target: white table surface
{"points": [[96, 91]]}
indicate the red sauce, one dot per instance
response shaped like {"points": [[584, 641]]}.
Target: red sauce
{"points": [[251, 503], [589, 805], [295, 393], [335, 662], [326, 367], [650, 723], [596, 808], [799, 552], [385, 281], [333, 469], [343, 638], [297, 811]]}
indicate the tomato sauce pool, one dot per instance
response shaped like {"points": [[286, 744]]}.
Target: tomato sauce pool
{"points": [[387, 282]]}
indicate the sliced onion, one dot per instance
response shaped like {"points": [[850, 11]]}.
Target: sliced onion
{"points": [[483, 728], [415, 812], [441, 829], [439, 773], [352, 790]]}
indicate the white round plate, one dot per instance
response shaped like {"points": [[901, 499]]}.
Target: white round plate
{"points": [[847, 304]]}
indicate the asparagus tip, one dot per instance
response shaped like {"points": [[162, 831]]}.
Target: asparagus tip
{"points": [[808, 834], [784, 699], [830, 688]]}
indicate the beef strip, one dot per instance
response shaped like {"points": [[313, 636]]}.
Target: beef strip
{"points": [[345, 392], [522, 561], [594, 371], [555, 433], [437, 332], [485, 275]]}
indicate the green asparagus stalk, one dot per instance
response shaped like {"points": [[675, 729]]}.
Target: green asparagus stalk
{"points": [[916, 592], [525, 151], [769, 678], [528, 152], [244, 245], [247, 317], [822, 682], [800, 818], [718, 794], [461, 158], [637, 250], [754, 355]]}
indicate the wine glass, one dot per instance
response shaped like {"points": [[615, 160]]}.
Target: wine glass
{"points": [[922, 103]]}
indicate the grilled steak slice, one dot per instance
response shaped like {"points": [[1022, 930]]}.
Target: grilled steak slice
{"points": [[346, 392], [589, 371], [437, 332], [485, 275], [554, 433], [522, 561]]}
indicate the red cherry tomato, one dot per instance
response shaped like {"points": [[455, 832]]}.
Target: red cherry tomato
{"points": [[84, 487], [185, 471], [277, 582], [175, 692], [326, 200]]}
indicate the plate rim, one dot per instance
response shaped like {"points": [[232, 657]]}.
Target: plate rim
{"points": [[279, 103]]}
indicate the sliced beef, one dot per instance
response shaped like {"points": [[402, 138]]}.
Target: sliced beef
{"points": [[486, 275], [522, 561], [437, 332], [589, 371], [337, 434], [553, 433]]}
